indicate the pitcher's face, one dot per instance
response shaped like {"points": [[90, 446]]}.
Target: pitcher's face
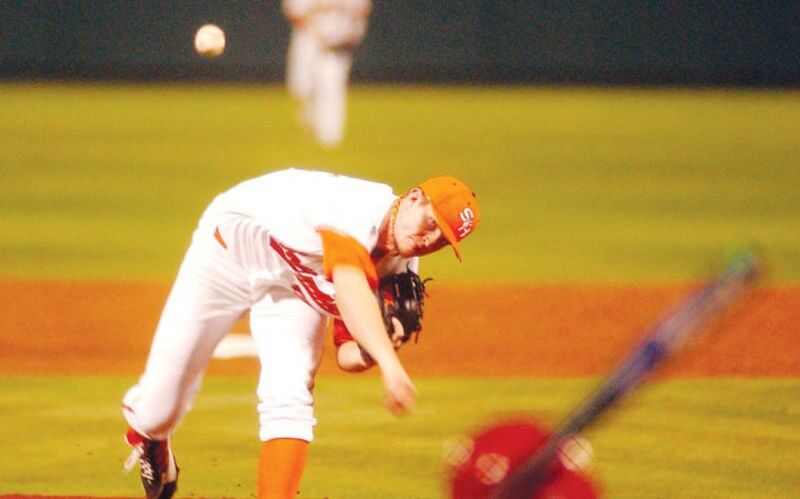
{"points": [[416, 232]]}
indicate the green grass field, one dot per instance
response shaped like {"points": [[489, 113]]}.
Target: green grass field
{"points": [[720, 438], [576, 185]]}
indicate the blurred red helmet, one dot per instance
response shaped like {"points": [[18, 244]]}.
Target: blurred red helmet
{"points": [[478, 464]]}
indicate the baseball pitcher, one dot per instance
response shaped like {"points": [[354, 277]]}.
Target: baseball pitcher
{"points": [[292, 247]]}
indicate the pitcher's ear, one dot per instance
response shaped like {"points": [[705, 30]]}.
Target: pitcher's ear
{"points": [[415, 194]]}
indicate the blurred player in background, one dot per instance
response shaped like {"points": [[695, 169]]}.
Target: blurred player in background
{"points": [[324, 36], [291, 247]]}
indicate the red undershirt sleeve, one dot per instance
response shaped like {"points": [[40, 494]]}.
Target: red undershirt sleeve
{"points": [[340, 333]]}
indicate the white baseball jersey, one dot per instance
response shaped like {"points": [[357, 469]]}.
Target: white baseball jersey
{"points": [[274, 221], [257, 248], [336, 23]]}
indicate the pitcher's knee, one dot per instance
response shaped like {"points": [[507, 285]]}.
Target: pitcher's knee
{"points": [[152, 420], [287, 419]]}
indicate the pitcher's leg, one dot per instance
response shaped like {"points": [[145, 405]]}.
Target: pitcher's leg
{"points": [[289, 336], [207, 298], [281, 465]]}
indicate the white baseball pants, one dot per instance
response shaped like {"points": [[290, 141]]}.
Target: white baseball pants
{"points": [[211, 292]]}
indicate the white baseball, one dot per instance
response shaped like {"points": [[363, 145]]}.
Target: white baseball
{"points": [[209, 41]]}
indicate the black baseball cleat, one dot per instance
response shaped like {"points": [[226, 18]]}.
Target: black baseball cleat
{"points": [[157, 465], [170, 487]]}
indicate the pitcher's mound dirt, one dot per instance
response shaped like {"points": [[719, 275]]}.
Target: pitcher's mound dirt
{"points": [[470, 330]]}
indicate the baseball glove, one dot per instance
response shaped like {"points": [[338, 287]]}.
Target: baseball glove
{"points": [[402, 296]]}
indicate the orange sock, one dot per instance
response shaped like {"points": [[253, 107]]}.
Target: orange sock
{"points": [[280, 468]]}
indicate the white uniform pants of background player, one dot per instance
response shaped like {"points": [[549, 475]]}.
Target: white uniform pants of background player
{"points": [[317, 77], [212, 291], [318, 66]]}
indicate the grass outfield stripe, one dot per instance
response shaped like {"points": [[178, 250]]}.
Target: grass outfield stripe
{"points": [[714, 438], [575, 184]]}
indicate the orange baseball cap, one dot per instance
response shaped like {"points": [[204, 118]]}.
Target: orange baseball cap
{"points": [[454, 207]]}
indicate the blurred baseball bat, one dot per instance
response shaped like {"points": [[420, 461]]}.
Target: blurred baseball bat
{"points": [[664, 339]]}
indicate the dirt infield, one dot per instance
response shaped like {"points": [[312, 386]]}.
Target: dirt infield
{"points": [[85, 328]]}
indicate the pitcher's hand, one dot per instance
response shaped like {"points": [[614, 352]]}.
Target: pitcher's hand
{"points": [[400, 392]]}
